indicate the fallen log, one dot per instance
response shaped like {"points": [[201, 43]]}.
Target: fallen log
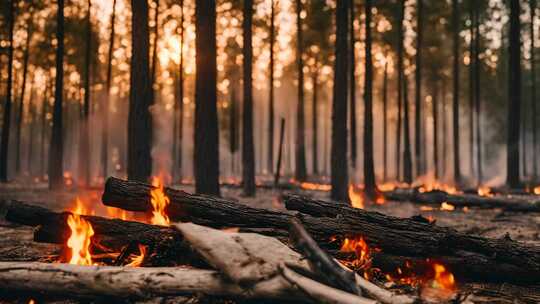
{"points": [[480, 259], [437, 197], [125, 282], [111, 233], [200, 209], [472, 257]]}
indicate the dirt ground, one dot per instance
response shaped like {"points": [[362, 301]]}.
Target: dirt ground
{"points": [[16, 241]]}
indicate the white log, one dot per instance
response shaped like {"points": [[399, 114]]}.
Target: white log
{"points": [[320, 292], [128, 282]]}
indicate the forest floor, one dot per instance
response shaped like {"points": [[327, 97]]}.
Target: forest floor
{"points": [[16, 241]]}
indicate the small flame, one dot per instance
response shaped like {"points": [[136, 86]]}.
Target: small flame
{"points": [[80, 238], [484, 191], [356, 197], [443, 279], [138, 260], [360, 248], [447, 207], [315, 186], [536, 190], [159, 202]]}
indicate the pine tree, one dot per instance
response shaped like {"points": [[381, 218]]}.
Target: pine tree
{"points": [[248, 153]]}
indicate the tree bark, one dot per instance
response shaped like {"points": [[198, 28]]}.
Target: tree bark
{"points": [[6, 121], [32, 125], [455, 93], [84, 134], [477, 100], [280, 153], [435, 114], [385, 121], [300, 147], [369, 171], [270, 165], [315, 120], [418, 86], [399, 87], [107, 100], [352, 85], [339, 175], [407, 157], [20, 116], [56, 154], [140, 97], [44, 127], [248, 152], [514, 97], [206, 121], [472, 84], [532, 8], [155, 61]]}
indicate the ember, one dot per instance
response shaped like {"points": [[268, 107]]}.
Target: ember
{"points": [[80, 238], [360, 248], [315, 186], [484, 191], [159, 202], [138, 260]]}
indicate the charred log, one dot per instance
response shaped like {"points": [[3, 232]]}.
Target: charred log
{"points": [[436, 197], [477, 258]]}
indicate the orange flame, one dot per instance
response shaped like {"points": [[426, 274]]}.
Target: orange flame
{"points": [[443, 279], [138, 260], [356, 197], [159, 202], [80, 238], [536, 190], [447, 207], [484, 191], [315, 186], [360, 248]]}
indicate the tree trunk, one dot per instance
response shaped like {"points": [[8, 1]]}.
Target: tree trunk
{"points": [[107, 100], [56, 154], [455, 93], [532, 8], [270, 164], [477, 66], [435, 115], [178, 134], [300, 147], [32, 125], [369, 171], [84, 134], [155, 61], [20, 116], [206, 121], [248, 153], [399, 88], [339, 174], [418, 87], [385, 121], [407, 157], [280, 153], [315, 120], [514, 97], [472, 83], [233, 127], [444, 129], [352, 85], [140, 97], [6, 121], [44, 127]]}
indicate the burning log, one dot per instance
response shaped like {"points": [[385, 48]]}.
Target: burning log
{"points": [[327, 266], [125, 282], [437, 197], [109, 234], [470, 257], [200, 209]]}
